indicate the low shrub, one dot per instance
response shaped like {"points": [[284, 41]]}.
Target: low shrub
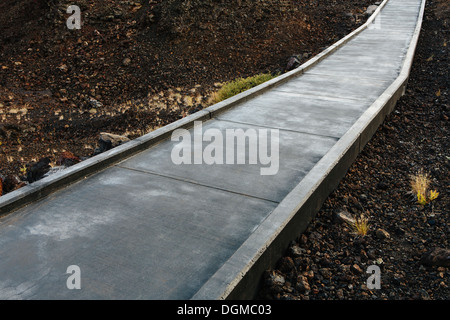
{"points": [[239, 85]]}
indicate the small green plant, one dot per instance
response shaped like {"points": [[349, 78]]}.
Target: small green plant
{"points": [[419, 185], [237, 86], [433, 195], [23, 170]]}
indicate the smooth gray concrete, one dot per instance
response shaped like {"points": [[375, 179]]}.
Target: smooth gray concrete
{"points": [[147, 228], [133, 235], [299, 112], [300, 152]]}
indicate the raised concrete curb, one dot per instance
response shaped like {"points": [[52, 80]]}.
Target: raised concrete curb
{"points": [[42, 188], [239, 278]]}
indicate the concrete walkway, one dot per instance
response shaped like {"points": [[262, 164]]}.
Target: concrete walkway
{"points": [[146, 228]]}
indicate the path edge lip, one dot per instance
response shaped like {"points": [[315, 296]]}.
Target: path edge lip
{"points": [[290, 218], [22, 197]]}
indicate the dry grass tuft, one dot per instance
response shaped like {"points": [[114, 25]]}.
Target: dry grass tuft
{"points": [[420, 184], [361, 225]]}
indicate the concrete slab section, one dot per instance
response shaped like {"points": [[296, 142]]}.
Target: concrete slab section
{"points": [[369, 68], [381, 59], [380, 34], [355, 62], [405, 8], [341, 87], [133, 235], [324, 116], [384, 51], [366, 43], [297, 154], [368, 72]]}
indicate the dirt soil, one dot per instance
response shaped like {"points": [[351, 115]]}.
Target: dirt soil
{"points": [[136, 66], [407, 241]]}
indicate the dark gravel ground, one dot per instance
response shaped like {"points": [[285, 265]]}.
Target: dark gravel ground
{"points": [[328, 261]]}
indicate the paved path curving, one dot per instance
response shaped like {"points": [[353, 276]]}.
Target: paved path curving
{"points": [[146, 228]]}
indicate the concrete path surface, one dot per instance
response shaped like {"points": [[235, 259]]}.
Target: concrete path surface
{"points": [[146, 227]]}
